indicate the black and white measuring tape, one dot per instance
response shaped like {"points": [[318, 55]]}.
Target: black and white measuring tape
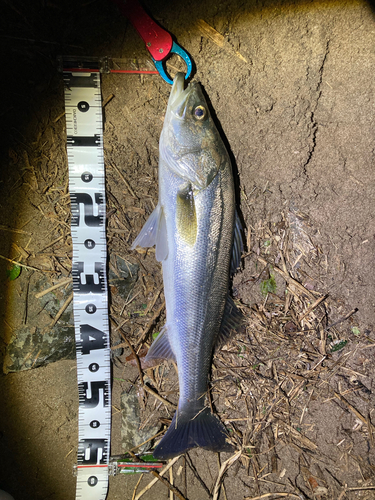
{"points": [[84, 128]]}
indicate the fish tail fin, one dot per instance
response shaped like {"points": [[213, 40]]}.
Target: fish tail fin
{"points": [[203, 429]]}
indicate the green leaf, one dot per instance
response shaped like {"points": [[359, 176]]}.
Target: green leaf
{"points": [[154, 335], [149, 458], [268, 286], [13, 272], [356, 330], [340, 345], [137, 314]]}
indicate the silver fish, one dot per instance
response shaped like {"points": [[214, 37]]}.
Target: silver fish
{"points": [[197, 235]]}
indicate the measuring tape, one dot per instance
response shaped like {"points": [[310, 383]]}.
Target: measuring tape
{"points": [[84, 129]]}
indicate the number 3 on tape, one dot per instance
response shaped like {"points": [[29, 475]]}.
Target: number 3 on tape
{"points": [[83, 110]]}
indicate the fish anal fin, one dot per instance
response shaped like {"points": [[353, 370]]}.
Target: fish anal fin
{"points": [[232, 322], [160, 348]]}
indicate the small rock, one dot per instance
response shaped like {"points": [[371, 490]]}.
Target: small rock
{"points": [[35, 344], [122, 276], [131, 434]]}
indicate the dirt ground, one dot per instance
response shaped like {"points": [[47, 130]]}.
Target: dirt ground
{"points": [[292, 87]]}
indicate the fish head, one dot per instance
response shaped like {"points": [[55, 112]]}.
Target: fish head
{"points": [[190, 144]]}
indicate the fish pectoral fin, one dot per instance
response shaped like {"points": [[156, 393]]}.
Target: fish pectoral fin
{"points": [[231, 323], [237, 244], [154, 232], [161, 348], [147, 235], [161, 249], [186, 216]]}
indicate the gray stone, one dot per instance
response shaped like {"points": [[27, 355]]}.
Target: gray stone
{"points": [[31, 349], [123, 275], [131, 433], [35, 343]]}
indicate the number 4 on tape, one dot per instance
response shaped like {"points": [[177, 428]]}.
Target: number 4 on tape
{"points": [[83, 110]]}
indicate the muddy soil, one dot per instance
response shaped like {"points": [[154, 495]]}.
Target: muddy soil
{"points": [[292, 89]]}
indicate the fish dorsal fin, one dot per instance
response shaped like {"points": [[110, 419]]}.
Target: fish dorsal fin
{"points": [[154, 232], [161, 348], [237, 244], [186, 216], [231, 323]]}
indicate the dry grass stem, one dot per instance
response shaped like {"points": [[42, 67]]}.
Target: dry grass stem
{"points": [[10, 230], [171, 481], [31, 268], [52, 243], [274, 495], [54, 287], [62, 309], [136, 486], [224, 467], [216, 37], [161, 473], [144, 442], [356, 412], [124, 181], [150, 324], [172, 488]]}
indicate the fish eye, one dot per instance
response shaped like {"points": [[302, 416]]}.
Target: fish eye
{"points": [[200, 112]]}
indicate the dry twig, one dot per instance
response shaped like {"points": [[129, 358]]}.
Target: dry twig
{"points": [[62, 309], [161, 473], [356, 412], [168, 485], [125, 181], [225, 466], [276, 495], [54, 287]]}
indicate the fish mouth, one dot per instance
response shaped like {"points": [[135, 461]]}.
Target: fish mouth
{"points": [[178, 98]]}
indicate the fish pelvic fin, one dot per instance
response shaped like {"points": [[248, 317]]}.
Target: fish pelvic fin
{"points": [[161, 348], [232, 322], [203, 429], [154, 232]]}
